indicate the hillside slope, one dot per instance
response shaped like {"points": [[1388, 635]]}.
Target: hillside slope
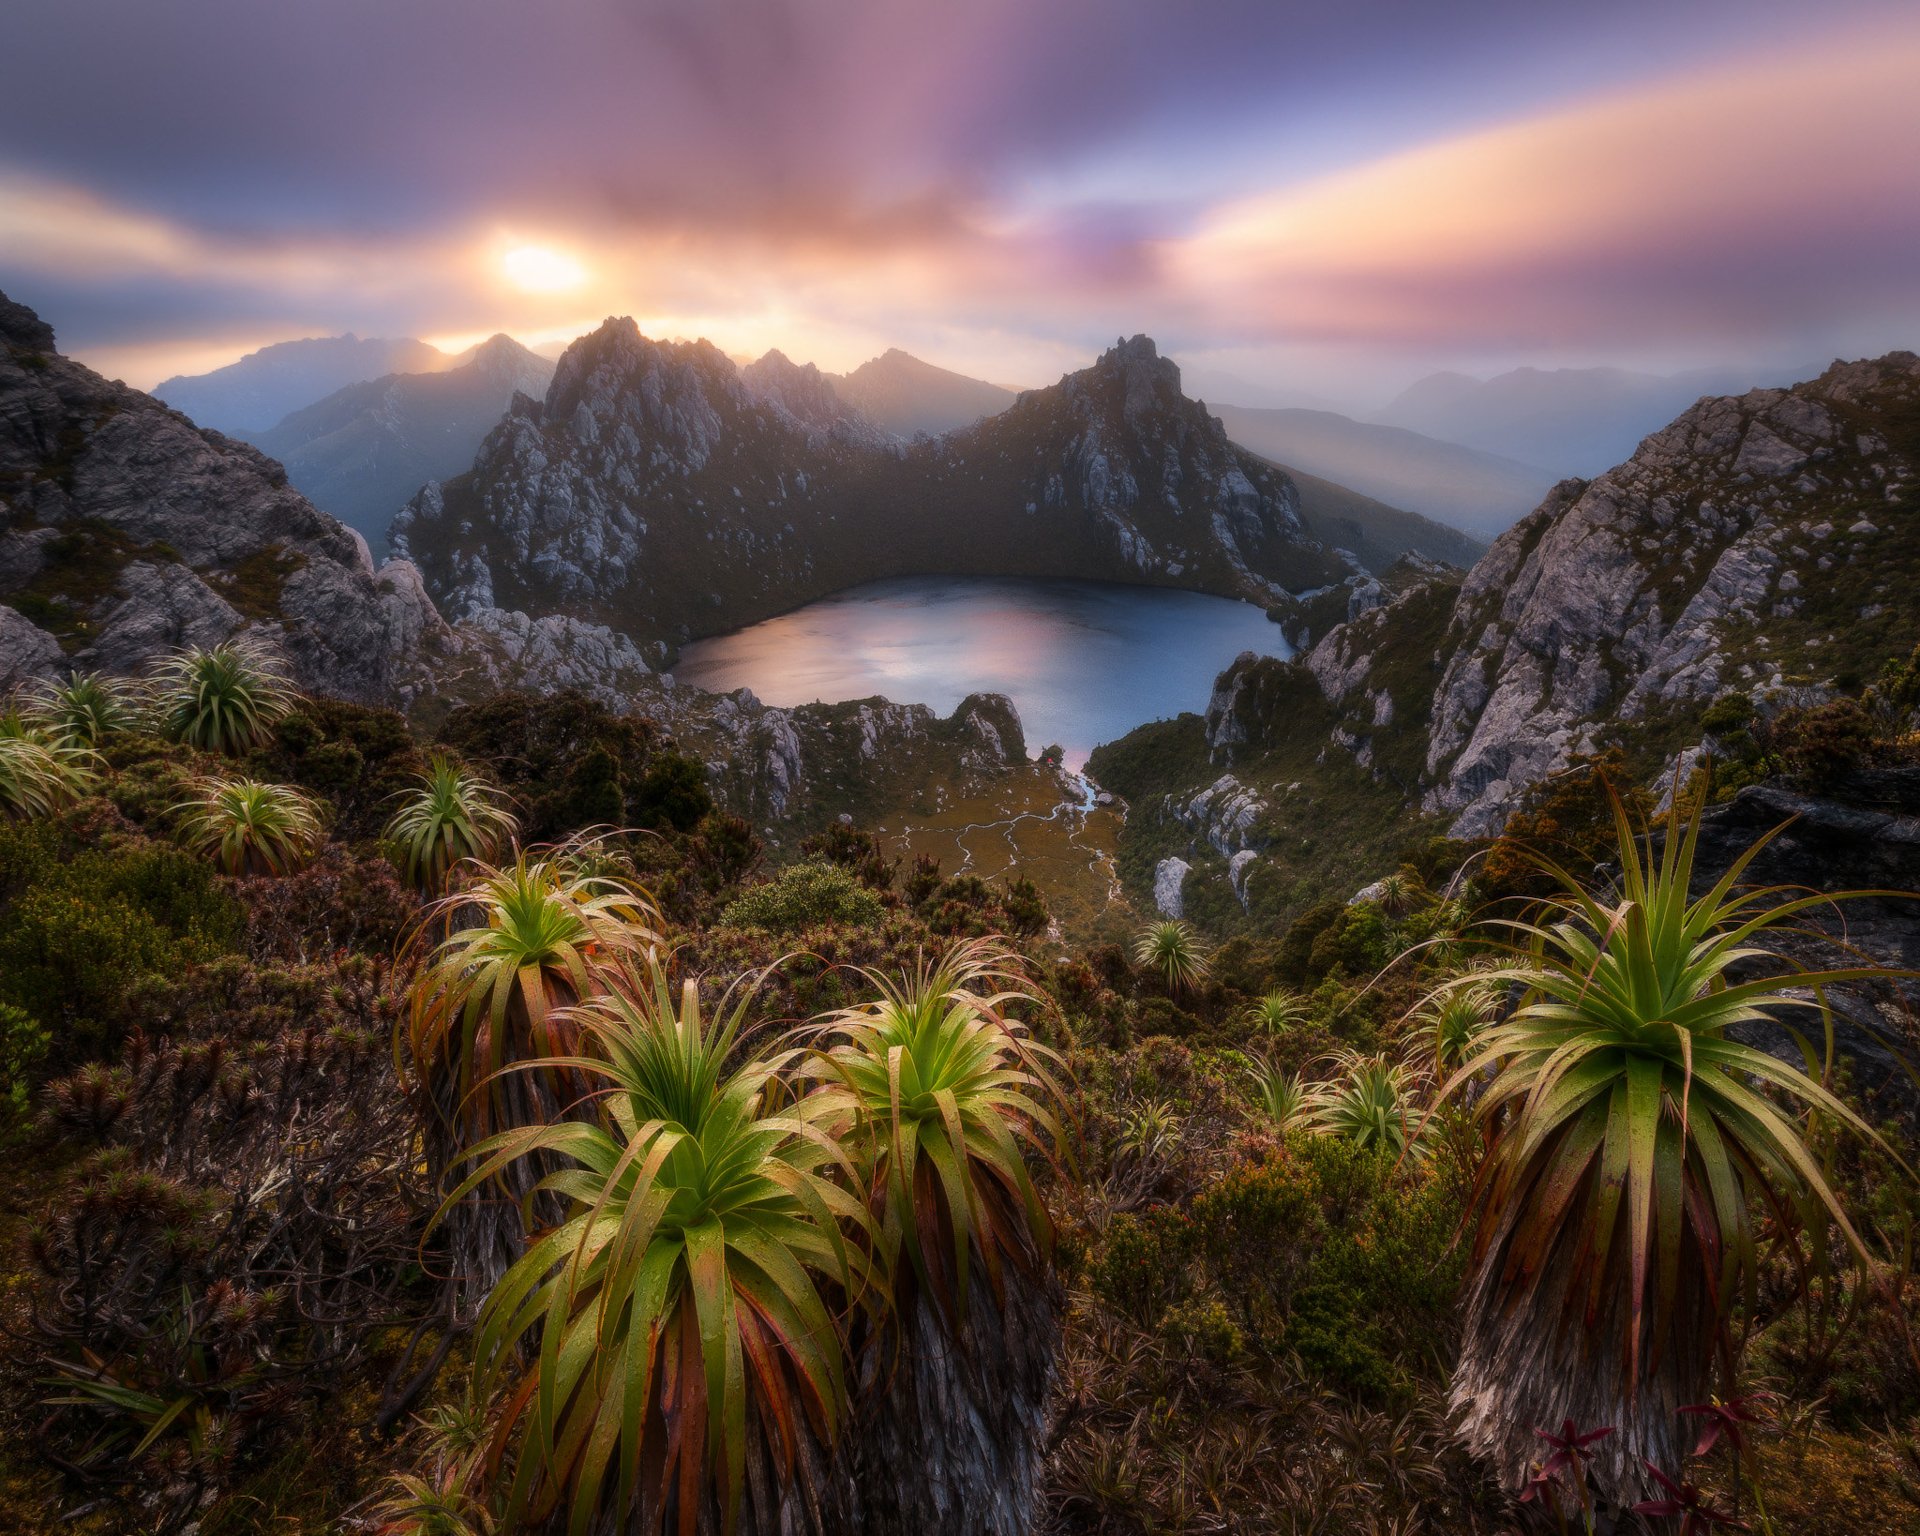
{"points": [[1462, 487], [661, 491], [1761, 546], [125, 530], [363, 450]]}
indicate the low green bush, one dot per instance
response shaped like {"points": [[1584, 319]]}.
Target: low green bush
{"points": [[82, 927], [806, 895]]}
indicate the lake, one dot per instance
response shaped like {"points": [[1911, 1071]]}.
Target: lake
{"points": [[1083, 661]]}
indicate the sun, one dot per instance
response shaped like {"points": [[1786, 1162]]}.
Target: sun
{"points": [[541, 269]]}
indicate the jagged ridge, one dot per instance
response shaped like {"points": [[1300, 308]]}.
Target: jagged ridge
{"points": [[661, 490]]}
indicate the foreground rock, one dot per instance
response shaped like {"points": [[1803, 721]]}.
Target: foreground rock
{"points": [[126, 531]]}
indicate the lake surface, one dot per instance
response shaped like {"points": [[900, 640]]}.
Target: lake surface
{"points": [[1083, 661]]}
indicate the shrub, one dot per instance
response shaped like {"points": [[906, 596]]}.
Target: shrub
{"points": [[23, 1046], [83, 927], [809, 895], [571, 764], [1822, 745], [1144, 1263]]}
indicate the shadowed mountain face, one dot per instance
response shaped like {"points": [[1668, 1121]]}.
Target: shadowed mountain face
{"points": [[362, 451], [1573, 421], [1462, 487], [254, 393], [660, 490], [902, 395], [126, 531]]}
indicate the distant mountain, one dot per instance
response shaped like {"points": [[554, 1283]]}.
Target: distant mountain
{"points": [[660, 490], [900, 394], [1461, 487], [1574, 421], [1374, 532], [1216, 384], [362, 451], [256, 392]]}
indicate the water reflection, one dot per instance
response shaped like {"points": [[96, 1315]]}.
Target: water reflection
{"points": [[1083, 661]]}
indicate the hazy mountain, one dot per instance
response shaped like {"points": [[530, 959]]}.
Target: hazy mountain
{"points": [[1216, 384], [1373, 531], [659, 490], [898, 392], [1462, 487], [1574, 421], [256, 392], [362, 451]]}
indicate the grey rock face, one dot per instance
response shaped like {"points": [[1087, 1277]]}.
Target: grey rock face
{"points": [[1650, 587], [1169, 882], [125, 530]]}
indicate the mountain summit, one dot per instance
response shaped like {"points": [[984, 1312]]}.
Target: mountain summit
{"points": [[903, 395], [664, 491]]}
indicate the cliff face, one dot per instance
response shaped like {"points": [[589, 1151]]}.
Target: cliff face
{"points": [[1759, 542], [125, 531], [663, 491]]}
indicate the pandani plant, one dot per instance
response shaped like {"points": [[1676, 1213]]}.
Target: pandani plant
{"points": [[251, 828], [1174, 951], [451, 816], [1633, 1146], [39, 773], [223, 699], [1277, 1012], [668, 1351], [941, 1096], [523, 942], [86, 708]]}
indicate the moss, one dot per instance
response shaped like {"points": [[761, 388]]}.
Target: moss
{"points": [[254, 584]]}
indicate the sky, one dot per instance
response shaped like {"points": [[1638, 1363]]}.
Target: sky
{"points": [[1328, 199]]}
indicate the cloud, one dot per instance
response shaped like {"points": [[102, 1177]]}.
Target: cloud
{"points": [[1001, 185], [1751, 198]]}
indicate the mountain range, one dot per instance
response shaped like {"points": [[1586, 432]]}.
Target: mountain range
{"points": [[251, 395], [361, 452], [666, 492], [1572, 421]]}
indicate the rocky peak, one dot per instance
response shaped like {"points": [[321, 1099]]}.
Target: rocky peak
{"points": [[21, 327], [805, 394], [1757, 541], [1132, 374]]}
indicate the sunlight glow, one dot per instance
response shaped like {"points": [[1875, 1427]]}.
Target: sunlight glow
{"points": [[541, 269]]}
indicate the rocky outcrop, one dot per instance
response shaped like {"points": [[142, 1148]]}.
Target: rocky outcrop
{"points": [[1735, 550], [126, 531], [665, 492]]}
